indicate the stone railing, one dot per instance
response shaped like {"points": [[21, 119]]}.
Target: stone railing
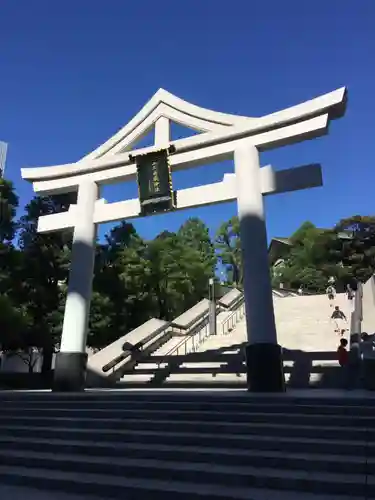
{"points": [[201, 332], [192, 340]]}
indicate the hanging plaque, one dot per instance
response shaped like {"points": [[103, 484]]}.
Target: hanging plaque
{"points": [[154, 182]]}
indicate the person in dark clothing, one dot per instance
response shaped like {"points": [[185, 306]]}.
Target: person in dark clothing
{"points": [[339, 317], [343, 359], [342, 353], [349, 292]]}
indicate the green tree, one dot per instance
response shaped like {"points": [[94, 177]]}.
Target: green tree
{"points": [[179, 270], [194, 235], [228, 246], [43, 270], [357, 245], [8, 225], [8, 208], [122, 296], [310, 261], [169, 280], [12, 317]]}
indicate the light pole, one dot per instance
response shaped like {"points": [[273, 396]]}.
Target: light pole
{"points": [[212, 306]]}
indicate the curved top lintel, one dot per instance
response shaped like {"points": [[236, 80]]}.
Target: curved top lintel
{"points": [[161, 97], [333, 103]]}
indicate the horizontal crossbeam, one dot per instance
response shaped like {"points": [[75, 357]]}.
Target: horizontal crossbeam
{"points": [[272, 182]]}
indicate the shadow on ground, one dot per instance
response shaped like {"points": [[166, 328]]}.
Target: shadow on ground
{"points": [[204, 369]]}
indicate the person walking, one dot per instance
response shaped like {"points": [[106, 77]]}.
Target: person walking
{"points": [[349, 292], [338, 318], [331, 294]]}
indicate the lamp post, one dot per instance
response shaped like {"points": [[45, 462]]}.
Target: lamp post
{"points": [[212, 306]]}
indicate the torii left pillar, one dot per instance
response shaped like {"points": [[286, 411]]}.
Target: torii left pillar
{"points": [[71, 361]]}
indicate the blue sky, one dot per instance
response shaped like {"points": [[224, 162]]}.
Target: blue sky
{"points": [[74, 72]]}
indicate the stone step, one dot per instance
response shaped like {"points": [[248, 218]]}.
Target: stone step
{"points": [[136, 377], [231, 405], [20, 493], [205, 378], [303, 323], [200, 415], [190, 445], [315, 440], [189, 481], [339, 399], [231, 376], [21, 451], [9, 492], [231, 372], [328, 429], [168, 346]]}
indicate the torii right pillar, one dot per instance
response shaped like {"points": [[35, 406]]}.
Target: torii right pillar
{"points": [[265, 372]]}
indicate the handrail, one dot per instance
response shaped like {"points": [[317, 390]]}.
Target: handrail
{"points": [[129, 348], [229, 319], [198, 329]]}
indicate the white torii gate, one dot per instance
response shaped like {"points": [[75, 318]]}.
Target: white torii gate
{"points": [[223, 136]]}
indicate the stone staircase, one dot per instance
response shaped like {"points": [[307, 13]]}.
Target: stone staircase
{"points": [[188, 445], [148, 370], [304, 329], [302, 323]]}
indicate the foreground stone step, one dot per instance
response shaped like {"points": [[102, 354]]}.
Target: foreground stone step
{"points": [[8, 492], [354, 485], [184, 445], [314, 444], [98, 457], [221, 396], [164, 425], [205, 402], [20, 493], [200, 415]]}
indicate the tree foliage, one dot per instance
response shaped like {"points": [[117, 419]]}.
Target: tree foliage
{"points": [[134, 279], [8, 207], [346, 252], [228, 245]]}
